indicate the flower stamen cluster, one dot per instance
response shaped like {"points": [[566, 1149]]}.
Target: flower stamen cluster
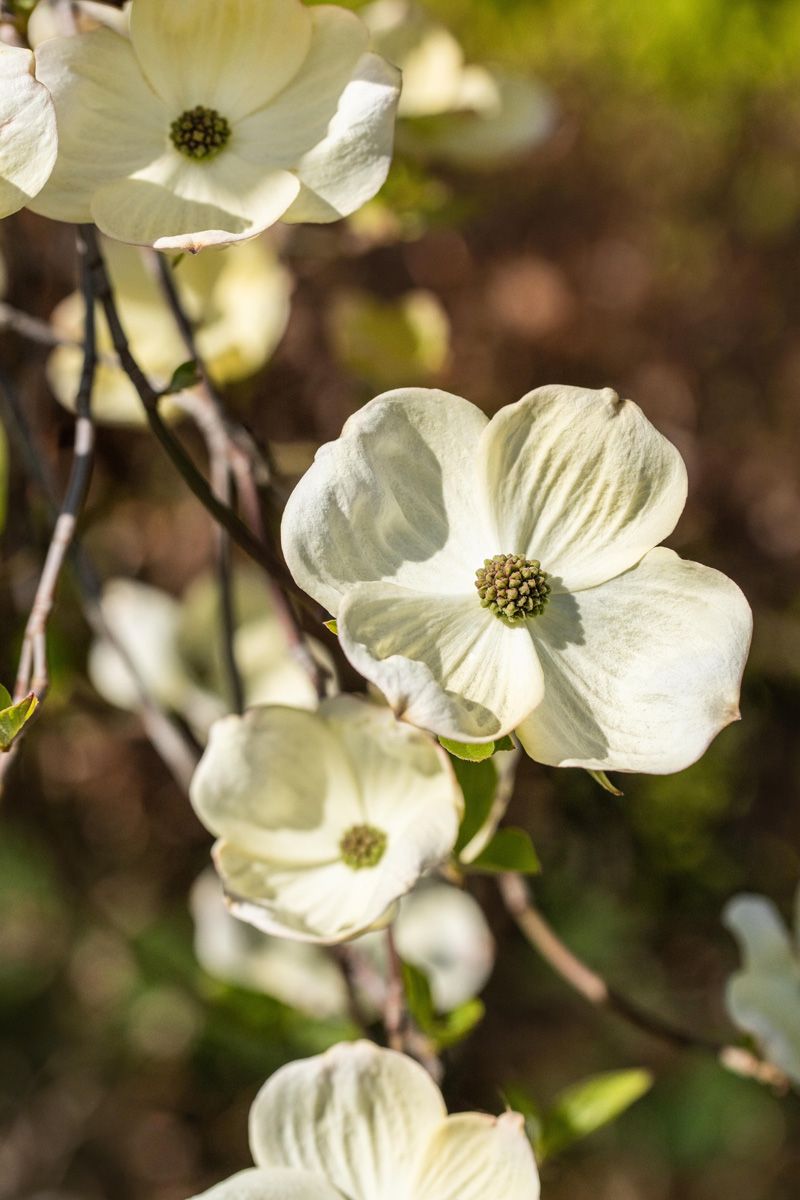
{"points": [[362, 846], [200, 132], [513, 587]]}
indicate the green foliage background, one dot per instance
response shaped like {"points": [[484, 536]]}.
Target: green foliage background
{"points": [[654, 245]]}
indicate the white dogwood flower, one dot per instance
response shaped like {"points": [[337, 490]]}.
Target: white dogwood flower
{"points": [[28, 135], [212, 121], [324, 819], [500, 575], [360, 1122], [764, 997]]}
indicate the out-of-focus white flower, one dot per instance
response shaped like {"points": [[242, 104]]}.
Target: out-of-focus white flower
{"points": [[28, 134], [360, 1122], [413, 333], [175, 648], [491, 576], [764, 997], [61, 18], [439, 929], [469, 114], [238, 300], [212, 121], [324, 819]]}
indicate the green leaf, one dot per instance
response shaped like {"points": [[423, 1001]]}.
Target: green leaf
{"points": [[509, 850], [474, 753], [605, 783], [334, 628], [443, 1029], [418, 996], [478, 782], [13, 718], [185, 376], [6, 699], [587, 1106]]}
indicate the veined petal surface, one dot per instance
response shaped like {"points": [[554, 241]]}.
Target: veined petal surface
{"points": [[393, 498], [110, 123], [581, 481], [232, 57], [472, 1156], [272, 1185], [641, 672], [28, 136], [351, 163], [443, 662], [358, 1116]]}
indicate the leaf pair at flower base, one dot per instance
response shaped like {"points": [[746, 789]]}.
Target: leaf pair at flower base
{"points": [[14, 717]]}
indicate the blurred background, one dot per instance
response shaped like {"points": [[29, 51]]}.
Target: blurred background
{"points": [[644, 234]]}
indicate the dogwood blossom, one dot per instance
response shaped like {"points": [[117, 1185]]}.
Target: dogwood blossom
{"points": [[500, 575], [238, 301], [360, 1122], [324, 819], [764, 997], [28, 135], [212, 121]]}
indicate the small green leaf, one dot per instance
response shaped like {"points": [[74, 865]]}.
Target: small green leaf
{"points": [[478, 782], [6, 699], [13, 718], [443, 1029], [183, 377], [334, 628], [605, 783], [587, 1106], [418, 996], [509, 850], [475, 752], [458, 1024], [503, 743]]}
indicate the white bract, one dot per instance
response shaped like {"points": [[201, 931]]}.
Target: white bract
{"points": [[362, 1123], [28, 135], [439, 929], [324, 819], [238, 301], [491, 576], [468, 113], [212, 121], [764, 997]]}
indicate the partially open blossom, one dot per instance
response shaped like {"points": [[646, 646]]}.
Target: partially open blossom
{"points": [[28, 134], [359, 1122], [238, 301], [324, 819], [212, 121], [466, 113], [764, 997], [501, 575]]}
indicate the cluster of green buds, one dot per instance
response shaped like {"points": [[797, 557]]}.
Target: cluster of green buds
{"points": [[200, 132], [362, 846], [513, 587]]}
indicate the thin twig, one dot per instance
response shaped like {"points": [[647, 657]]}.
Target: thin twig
{"points": [[395, 1015], [597, 991], [32, 328]]}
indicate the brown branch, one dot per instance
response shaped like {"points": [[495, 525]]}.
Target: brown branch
{"points": [[14, 320], [597, 991]]}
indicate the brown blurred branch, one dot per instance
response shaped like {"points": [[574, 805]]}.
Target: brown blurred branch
{"points": [[32, 328], [596, 990]]}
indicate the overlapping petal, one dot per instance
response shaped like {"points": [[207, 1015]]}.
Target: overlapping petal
{"points": [[443, 662], [28, 136], [642, 672], [581, 481], [357, 1116], [110, 122], [276, 1184], [233, 57], [472, 1156], [394, 498]]}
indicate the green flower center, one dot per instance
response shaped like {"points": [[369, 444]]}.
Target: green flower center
{"points": [[362, 846], [513, 587], [200, 132]]}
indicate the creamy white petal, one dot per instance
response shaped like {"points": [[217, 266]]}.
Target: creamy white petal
{"points": [[110, 123], [373, 1113], [297, 119], [276, 1184], [472, 1156], [50, 18], [351, 163], [761, 933], [443, 662], [28, 137], [327, 903], [641, 672], [276, 784], [394, 497], [442, 930], [176, 204], [581, 481], [233, 57]]}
